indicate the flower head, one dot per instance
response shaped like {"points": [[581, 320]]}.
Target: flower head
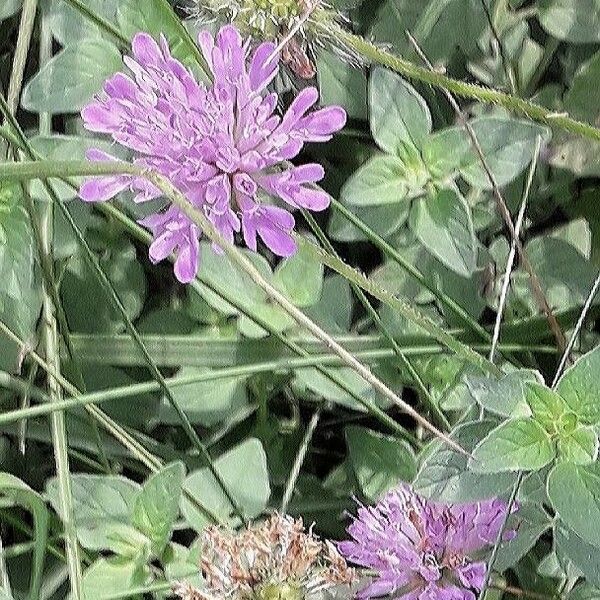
{"points": [[300, 25], [223, 146], [274, 560], [424, 550]]}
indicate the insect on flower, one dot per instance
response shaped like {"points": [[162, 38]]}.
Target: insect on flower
{"points": [[223, 146]]}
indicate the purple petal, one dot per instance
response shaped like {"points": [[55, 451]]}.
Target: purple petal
{"points": [[186, 264], [321, 124], [263, 72], [97, 117], [146, 50], [472, 575]]}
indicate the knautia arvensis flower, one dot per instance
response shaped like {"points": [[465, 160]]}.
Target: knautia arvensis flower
{"points": [[274, 560], [424, 550], [223, 146], [304, 26]]}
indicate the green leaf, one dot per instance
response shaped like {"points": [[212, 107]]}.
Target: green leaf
{"points": [[547, 406], [579, 446], [444, 225], [110, 576], [532, 522], [504, 396], [340, 83], [300, 277], [574, 491], [384, 220], [24, 496], [157, 505], [69, 80], [379, 461], [515, 445], [244, 470], [583, 555], [205, 402], [399, 116], [81, 289], [381, 180], [222, 274], [507, 145], [9, 7], [580, 387], [158, 17], [444, 473], [69, 26], [102, 507], [20, 298], [576, 21]]}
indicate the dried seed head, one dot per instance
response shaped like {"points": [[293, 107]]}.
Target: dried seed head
{"points": [[300, 26], [273, 560]]}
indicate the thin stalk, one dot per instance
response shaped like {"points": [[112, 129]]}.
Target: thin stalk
{"points": [[8, 381], [374, 54], [299, 460], [536, 287], [58, 426], [578, 327], [4, 580], [437, 415], [26, 24], [276, 296], [513, 251], [412, 270], [151, 462]]}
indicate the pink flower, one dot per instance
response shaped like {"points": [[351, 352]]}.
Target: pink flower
{"points": [[424, 550], [222, 146]]}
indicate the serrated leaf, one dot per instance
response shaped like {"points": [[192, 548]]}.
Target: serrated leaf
{"points": [[398, 114], [444, 225], [504, 396], [244, 470], [515, 445], [379, 462], [101, 503], [381, 180], [157, 505], [444, 473], [579, 446], [574, 491], [580, 387], [67, 82], [547, 406]]}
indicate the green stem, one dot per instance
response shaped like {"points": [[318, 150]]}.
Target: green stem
{"points": [[374, 54], [437, 414], [100, 21], [58, 426], [413, 271], [239, 259]]}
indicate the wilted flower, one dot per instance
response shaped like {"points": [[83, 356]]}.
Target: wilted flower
{"points": [[274, 560], [304, 25], [424, 550], [222, 146]]}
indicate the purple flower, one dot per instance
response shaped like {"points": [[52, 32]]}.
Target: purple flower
{"points": [[424, 550], [223, 146]]}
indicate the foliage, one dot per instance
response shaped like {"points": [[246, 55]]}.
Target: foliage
{"points": [[282, 421]]}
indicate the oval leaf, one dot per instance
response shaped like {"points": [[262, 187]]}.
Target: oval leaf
{"points": [[517, 445]]}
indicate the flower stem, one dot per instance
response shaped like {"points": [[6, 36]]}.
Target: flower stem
{"points": [[374, 54]]}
